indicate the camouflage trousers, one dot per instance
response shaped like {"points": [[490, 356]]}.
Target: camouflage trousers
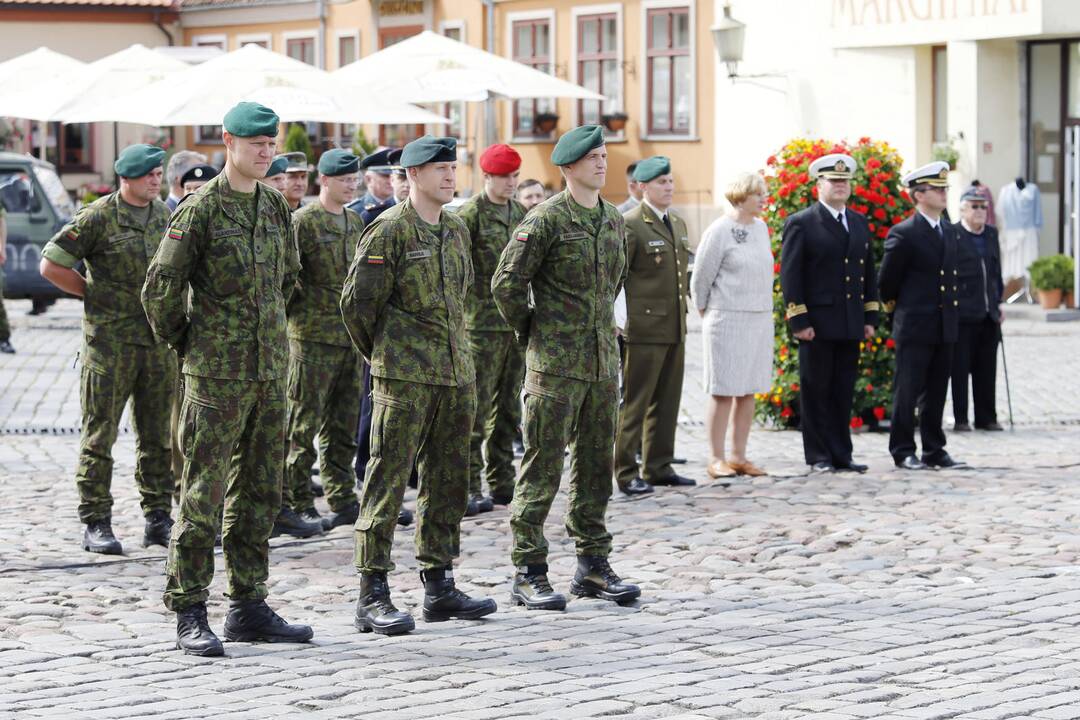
{"points": [[113, 372], [5, 328], [324, 401], [562, 411], [232, 433], [413, 422], [500, 366]]}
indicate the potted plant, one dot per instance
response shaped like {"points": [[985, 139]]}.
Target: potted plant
{"points": [[615, 121], [945, 152], [1051, 275], [544, 122]]}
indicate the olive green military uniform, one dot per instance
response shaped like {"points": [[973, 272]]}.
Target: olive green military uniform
{"points": [[324, 381], [573, 261], [5, 328], [499, 360], [237, 253], [121, 357], [403, 304], [655, 337]]}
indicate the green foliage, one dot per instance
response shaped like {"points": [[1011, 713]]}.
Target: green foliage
{"points": [[945, 152], [361, 146], [876, 193], [297, 140], [1052, 272]]}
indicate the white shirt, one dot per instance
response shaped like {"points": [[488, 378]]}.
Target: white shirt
{"points": [[933, 223], [837, 214], [659, 213]]}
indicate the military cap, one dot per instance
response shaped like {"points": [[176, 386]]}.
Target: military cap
{"points": [[500, 159], [429, 149], [379, 161], [652, 168], [338, 162], [972, 194], [394, 156], [201, 173], [297, 162], [278, 166], [251, 119], [935, 174], [575, 144], [837, 166], [134, 161]]}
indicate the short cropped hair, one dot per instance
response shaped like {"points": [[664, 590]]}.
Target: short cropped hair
{"points": [[528, 183], [180, 163], [744, 185]]}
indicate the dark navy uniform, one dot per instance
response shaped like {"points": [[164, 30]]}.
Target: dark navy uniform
{"points": [[978, 262], [827, 276], [919, 282]]}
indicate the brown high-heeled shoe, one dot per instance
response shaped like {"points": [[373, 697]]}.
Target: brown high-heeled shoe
{"points": [[747, 468], [719, 469]]}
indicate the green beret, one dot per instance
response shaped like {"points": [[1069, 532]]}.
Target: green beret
{"points": [[250, 119], [575, 144], [429, 149], [338, 162], [135, 161], [652, 168], [278, 166]]}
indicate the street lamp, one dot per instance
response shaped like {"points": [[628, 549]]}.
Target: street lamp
{"points": [[728, 35]]}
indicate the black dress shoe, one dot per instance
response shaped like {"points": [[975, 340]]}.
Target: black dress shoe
{"points": [[943, 461], [990, 427], [961, 427], [595, 578], [852, 467], [254, 621], [289, 522], [472, 508], [374, 611], [637, 486], [673, 481], [404, 517], [345, 516], [443, 601], [822, 467], [6, 347], [193, 633], [911, 463], [484, 503], [532, 589], [99, 538], [317, 489], [158, 528], [678, 461]]}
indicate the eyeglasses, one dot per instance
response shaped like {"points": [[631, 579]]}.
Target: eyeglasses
{"points": [[978, 206]]}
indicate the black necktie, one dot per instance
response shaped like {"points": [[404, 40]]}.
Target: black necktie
{"points": [[940, 232], [840, 222], [667, 223]]}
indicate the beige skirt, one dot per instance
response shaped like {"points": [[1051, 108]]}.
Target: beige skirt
{"points": [[738, 352]]}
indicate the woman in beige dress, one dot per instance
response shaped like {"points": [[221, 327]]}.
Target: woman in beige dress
{"points": [[732, 287]]}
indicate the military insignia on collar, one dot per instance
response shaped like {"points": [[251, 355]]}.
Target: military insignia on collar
{"points": [[522, 236], [176, 234]]}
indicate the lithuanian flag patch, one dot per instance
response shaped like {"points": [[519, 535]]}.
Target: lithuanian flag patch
{"points": [[176, 234], [522, 236], [375, 259], [72, 234]]}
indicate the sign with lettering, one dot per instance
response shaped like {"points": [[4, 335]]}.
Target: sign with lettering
{"points": [[389, 8], [876, 23]]}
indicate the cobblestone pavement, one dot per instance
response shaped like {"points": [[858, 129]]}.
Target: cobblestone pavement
{"points": [[889, 595]]}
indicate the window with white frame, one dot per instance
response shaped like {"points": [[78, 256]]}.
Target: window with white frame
{"points": [[532, 46], [598, 65], [669, 72], [262, 41], [453, 111], [209, 134], [348, 48], [301, 48]]}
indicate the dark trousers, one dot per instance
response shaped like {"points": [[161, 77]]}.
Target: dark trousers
{"points": [[976, 355], [827, 370], [363, 431], [922, 377]]}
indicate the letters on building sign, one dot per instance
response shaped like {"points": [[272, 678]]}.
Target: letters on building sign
{"points": [[855, 13], [401, 7]]}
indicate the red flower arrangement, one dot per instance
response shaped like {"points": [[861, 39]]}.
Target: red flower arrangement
{"points": [[877, 195]]}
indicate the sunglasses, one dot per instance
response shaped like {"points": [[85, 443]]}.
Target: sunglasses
{"points": [[978, 206]]}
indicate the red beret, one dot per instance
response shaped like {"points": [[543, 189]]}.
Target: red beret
{"points": [[500, 160]]}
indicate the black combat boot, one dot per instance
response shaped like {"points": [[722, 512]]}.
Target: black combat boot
{"points": [[484, 503], [595, 578], [193, 633], [254, 621], [532, 589], [345, 516], [316, 488], [311, 515], [375, 612], [443, 601], [498, 498], [405, 517], [158, 528], [99, 538], [288, 522]]}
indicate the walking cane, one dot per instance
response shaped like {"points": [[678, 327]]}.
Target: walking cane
{"points": [[1005, 366]]}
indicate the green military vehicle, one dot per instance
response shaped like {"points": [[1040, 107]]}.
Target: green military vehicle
{"points": [[37, 207]]}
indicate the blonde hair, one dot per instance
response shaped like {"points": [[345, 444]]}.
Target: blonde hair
{"points": [[744, 185]]}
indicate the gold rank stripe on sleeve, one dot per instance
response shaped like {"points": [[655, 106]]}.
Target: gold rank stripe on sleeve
{"points": [[872, 306], [794, 310]]}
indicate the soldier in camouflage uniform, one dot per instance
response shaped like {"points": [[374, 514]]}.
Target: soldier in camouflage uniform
{"points": [[116, 236], [569, 254], [324, 368], [231, 241], [491, 216], [403, 304]]}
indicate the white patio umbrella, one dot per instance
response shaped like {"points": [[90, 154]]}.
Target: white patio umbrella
{"points": [[296, 91], [127, 71], [432, 68], [31, 83]]}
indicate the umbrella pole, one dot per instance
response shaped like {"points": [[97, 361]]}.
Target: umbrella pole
{"points": [[43, 133]]}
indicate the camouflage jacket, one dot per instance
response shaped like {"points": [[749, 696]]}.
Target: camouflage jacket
{"points": [[404, 298], [489, 231], [325, 255], [241, 277], [116, 249], [574, 277]]}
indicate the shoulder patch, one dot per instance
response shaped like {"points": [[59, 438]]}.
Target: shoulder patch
{"points": [[72, 234], [176, 234], [375, 260], [522, 236]]}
